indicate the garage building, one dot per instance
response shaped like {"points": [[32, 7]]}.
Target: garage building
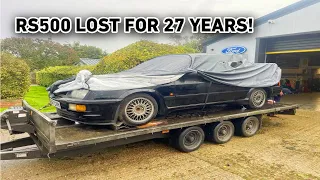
{"points": [[289, 37]]}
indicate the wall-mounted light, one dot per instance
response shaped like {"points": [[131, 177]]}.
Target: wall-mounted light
{"points": [[271, 21]]}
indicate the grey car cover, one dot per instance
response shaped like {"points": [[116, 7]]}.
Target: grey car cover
{"points": [[233, 70]]}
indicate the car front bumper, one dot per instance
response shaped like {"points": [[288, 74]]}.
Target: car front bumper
{"points": [[98, 112]]}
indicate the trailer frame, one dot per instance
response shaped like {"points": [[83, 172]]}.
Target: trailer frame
{"points": [[49, 135]]}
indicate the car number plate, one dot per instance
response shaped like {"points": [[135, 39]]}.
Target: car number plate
{"points": [[55, 103]]}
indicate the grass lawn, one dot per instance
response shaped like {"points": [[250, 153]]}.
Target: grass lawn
{"points": [[37, 97], [2, 109]]}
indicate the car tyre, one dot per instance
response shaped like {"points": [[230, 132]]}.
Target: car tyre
{"points": [[138, 109], [257, 99]]}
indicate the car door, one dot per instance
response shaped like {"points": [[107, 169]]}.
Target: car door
{"points": [[219, 92], [167, 92], [190, 90]]}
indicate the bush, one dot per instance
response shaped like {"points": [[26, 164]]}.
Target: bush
{"points": [[135, 54], [15, 77], [47, 76]]}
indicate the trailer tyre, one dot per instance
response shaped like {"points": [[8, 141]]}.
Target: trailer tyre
{"points": [[220, 132], [248, 126], [292, 112], [189, 139]]}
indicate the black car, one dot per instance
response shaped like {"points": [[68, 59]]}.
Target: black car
{"points": [[155, 87]]}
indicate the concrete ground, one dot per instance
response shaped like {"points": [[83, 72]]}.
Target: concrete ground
{"points": [[308, 101], [287, 147]]}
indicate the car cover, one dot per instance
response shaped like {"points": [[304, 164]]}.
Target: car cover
{"points": [[234, 70]]}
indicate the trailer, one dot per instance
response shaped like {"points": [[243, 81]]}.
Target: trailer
{"points": [[50, 136]]}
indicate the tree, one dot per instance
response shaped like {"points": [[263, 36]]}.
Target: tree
{"points": [[14, 76], [192, 41], [85, 51], [39, 53]]}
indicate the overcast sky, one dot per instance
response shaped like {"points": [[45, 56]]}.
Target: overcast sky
{"points": [[111, 42]]}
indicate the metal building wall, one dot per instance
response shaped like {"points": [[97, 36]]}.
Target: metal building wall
{"points": [[302, 21]]}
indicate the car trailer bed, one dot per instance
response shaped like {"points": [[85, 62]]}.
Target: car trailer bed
{"points": [[52, 136]]}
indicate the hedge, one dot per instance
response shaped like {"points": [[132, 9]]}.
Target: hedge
{"points": [[15, 77], [47, 76], [135, 54], [120, 60]]}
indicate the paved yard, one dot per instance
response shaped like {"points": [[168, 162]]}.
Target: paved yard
{"points": [[310, 101]]}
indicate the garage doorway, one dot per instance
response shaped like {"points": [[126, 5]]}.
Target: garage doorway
{"points": [[299, 70], [299, 58]]}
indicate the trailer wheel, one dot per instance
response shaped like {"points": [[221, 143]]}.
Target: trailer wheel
{"points": [[248, 126], [189, 139], [292, 112], [220, 133]]}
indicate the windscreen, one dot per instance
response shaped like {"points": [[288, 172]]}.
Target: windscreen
{"points": [[171, 64]]}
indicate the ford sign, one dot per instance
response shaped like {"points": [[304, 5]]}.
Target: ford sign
{"points": [[234, 50]]}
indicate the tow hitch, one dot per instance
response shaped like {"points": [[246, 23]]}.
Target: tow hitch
{"points": [[15, 120]]}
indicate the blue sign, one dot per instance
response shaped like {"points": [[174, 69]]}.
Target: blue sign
{"points": [[234, 50]]}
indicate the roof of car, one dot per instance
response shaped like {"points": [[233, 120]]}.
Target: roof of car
{"points": [[193, 55]]}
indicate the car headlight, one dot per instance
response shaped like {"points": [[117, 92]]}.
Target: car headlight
{"points": [[79, 94], [77, 107]]}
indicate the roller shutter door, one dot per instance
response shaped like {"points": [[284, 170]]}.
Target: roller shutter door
{"points": [[293, 44]]}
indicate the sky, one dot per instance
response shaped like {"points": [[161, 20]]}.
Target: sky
{"points": [[106, 8]]}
